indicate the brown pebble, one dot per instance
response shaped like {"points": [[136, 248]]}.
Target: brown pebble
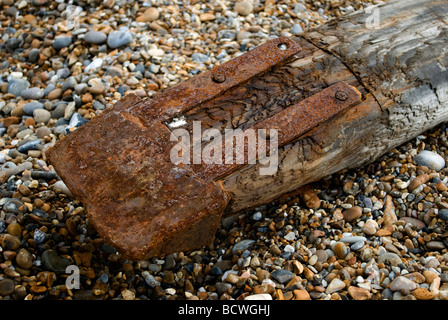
{"points": [[301, 295], [417, 181], [55, 94], [352, 213], [10, 120], [6, 287], [10, 242], [358, 293], [429, 276], [264, 288], [340, 249], [24, 190], [311, 199], [149, 15], [24, 259], [14, 229], [423, 294]]}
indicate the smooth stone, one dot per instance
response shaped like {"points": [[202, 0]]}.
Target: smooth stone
{"points": [[370, 227], [353, 239], [358, 293], [296, 29], [33, 93], [42, 132], [53, 262], [62, 42], [443, 214], [95, 64], [357, 245], [435, 245], [17, 86], [12, 205], [322, 255], [423, 294], [59, 111], [6, 287], [401, 284], [10, 242], [282, 275], [24, 259], [430, 159], [60, 185], [149, 15], [352, 213], [334, 286], [69, 83], [200, 57], [95, 37], [340, 249], [14, 229], [244, 7], [116, 39], [156, 52], [242, 245], [31, 106], [41, 115], [301, 295], [31, 145], [23, 134], [417, 181], [389, 257], [55, 94], [418, 224]]}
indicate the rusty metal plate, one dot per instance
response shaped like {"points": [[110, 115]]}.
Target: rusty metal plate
{"points": [[291, 123], [213, 83], [136, 198]]}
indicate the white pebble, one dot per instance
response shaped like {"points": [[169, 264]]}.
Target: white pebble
{"points": [[430, 159]]}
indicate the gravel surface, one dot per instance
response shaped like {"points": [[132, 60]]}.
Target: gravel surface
{"points": [[375, 233]]}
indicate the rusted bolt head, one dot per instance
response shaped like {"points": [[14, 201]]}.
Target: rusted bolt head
{"points": [[341, 95], [218, 77]]}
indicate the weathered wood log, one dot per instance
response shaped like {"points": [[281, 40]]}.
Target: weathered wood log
{"points": [[393, 85], [400, 68]]}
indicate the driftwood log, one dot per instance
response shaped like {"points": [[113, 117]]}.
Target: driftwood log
{"points": [[400, 67], [396, 65]]}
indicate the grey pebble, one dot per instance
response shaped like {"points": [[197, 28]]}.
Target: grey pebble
{"points": [[16, 86], [390, 257], [116, 39], [443, 214], [29, 108], [353, 239], [30, 145], [296, 29], [95, 37], [41, 115], [59, 111], [242, 245], [200, 57], [61, 42], [53, 262], [34, 54], [282, 275]]}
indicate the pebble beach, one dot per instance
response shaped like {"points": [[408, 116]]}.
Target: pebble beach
{"points": [[377, 232]]}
